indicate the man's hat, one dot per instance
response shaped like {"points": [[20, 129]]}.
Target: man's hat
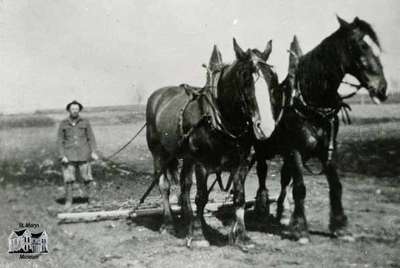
{"points": [[74, 102]]}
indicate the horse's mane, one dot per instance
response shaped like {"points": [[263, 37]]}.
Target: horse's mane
{"points": [[362, 25], [257, 52]]}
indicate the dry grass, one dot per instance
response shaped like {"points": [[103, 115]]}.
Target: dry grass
{"points": [[25, 121], [371, 145]]}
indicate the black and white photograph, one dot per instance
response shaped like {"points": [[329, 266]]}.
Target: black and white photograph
{"points": [[188, 133]]}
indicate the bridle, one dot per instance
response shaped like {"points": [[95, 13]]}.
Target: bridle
{"points": [[215, 119], [356, 87], [245, 107], [283, 102], [341, 106]]}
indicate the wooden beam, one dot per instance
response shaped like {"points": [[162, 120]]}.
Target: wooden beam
{"points": [[71, 217]]}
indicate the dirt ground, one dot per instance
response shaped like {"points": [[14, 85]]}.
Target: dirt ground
{"points": [[371, 202]]}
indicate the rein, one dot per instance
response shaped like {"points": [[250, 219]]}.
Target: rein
{"points": [[345, 110], [342, 106], [357, 88]]}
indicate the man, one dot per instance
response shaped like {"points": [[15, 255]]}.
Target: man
{"points": [[76, 146]]}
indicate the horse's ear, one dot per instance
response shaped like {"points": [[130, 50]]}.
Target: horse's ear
{"points": [[295, 54], [295, 46], [267, 50], [240, 54], [357, 22], [342, 22]]}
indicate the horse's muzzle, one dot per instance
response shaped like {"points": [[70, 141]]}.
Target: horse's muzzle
{"points": [[379, 94]]}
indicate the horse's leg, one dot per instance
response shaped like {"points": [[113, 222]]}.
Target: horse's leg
{"points": [[238, 235], [173, 175], [173, 171], [160, 173], [285, 180], [219, 180], [196, 226], [298, 222], [262, 201], [186, 184], [338, 220]]}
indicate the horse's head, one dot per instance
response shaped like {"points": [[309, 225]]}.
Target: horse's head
{"points": [[276, 97], [253, 74], [363, 60]]}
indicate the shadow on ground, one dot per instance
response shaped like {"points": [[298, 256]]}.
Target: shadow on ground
{"points": [[225, 214]]}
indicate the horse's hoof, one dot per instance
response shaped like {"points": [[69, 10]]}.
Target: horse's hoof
{"points": [[189, 242], [347, 238], [298, 228], [261, 207], [243, 242], [167, 229], [300, 237], [284, 221], [338, 224], [246, 246], [344, 236], [173, 199], [304, 240], [200, 243], [196, 243]]}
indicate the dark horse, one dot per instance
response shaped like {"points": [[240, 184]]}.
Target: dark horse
{"points": [[310, 123], [209, 130]]}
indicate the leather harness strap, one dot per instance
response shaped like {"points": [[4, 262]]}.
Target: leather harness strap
{"points": [[213, 118], [325, 115]]}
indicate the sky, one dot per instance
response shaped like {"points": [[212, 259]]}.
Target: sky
{"points": [[109, 52]]}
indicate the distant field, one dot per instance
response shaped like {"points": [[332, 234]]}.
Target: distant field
{"points": [[369, 146], [25, 120], [364, 98], [98, 115]]}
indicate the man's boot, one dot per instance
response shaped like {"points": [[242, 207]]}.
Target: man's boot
{"points": [[68, 195], [91, 192]]}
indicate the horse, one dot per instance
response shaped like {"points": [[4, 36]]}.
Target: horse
{"points": [[310, 123], [209, 129], [203, 171]]}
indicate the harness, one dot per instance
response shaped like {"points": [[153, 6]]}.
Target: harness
{"points": [[211, 116], [324, 113], [325, 116]]}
